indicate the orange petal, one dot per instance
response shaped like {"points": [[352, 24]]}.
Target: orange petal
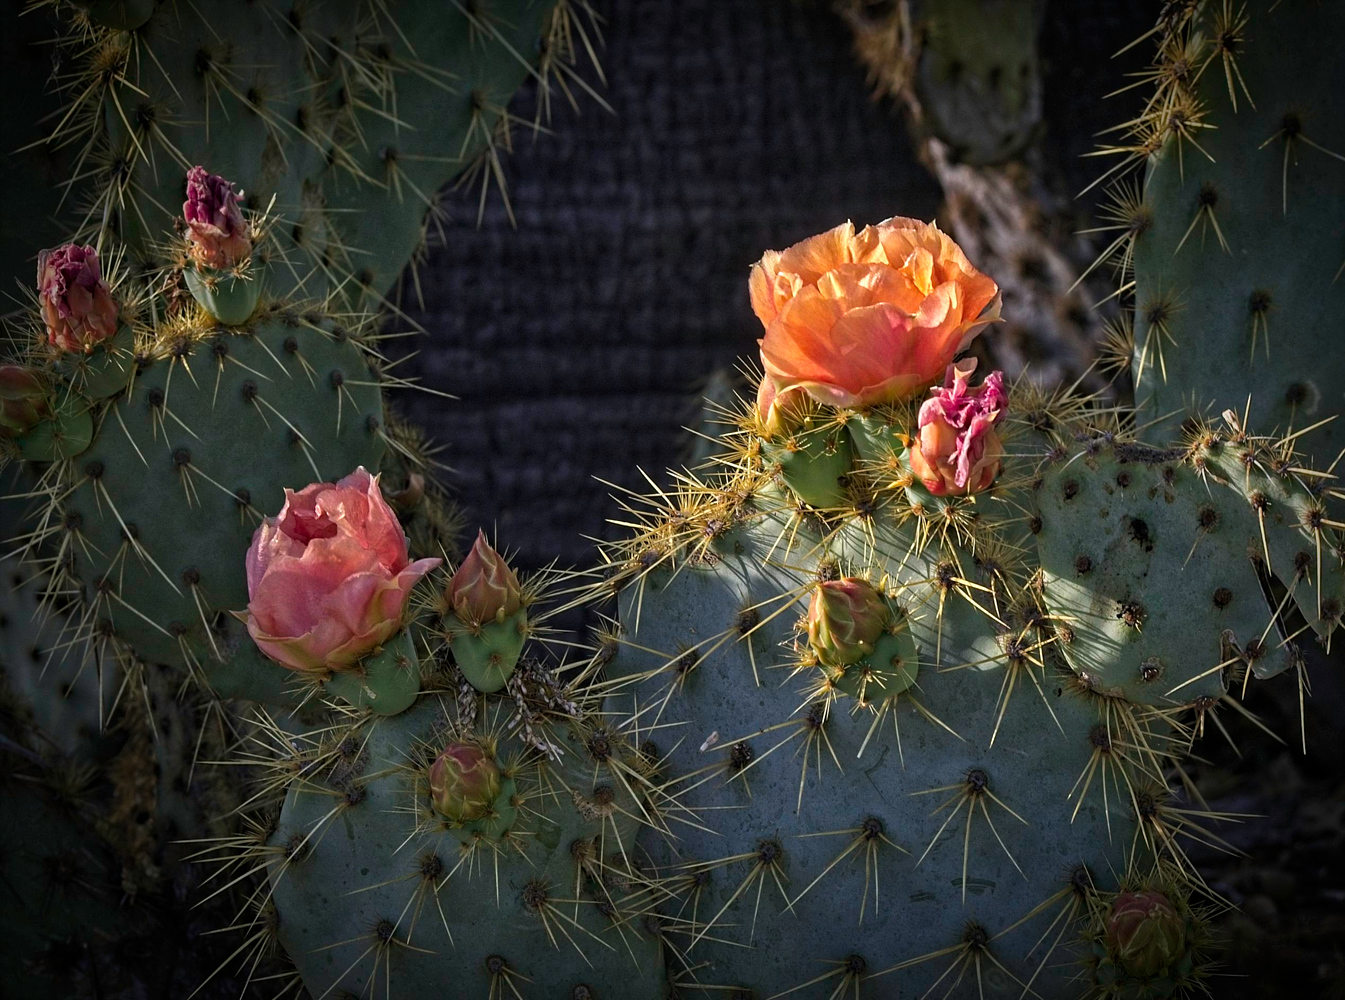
{"points": [[815, 256]]}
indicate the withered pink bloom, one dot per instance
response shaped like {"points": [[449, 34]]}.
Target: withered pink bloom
{"points": [[77, 305], [215, 225], [875, 316], [958, 449], [484, 589], [328, 579]]}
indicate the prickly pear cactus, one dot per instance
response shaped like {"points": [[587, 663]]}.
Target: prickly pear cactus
{"points": [[482, 839], [971, 67], [1235, 235], [922, 695], [63, 905], [344, 119]]}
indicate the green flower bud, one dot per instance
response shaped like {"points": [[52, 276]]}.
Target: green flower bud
{"points": [[845, 619], [1145, 933], [464, 782]]}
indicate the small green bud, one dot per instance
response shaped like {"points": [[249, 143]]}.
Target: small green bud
{"points": [[464, 782], [23, 400], [1145, 933], [845, 619]]}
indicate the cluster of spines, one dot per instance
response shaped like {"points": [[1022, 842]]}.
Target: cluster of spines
{"points": [[124, 117]]}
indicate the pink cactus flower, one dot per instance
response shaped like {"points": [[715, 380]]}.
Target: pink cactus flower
{"points": [[845, 619], [484, 589], [328, 579], [77, 304], [958, 449], [215, 226], [464, 782]]}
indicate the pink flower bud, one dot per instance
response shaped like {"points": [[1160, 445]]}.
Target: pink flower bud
{"points": [[23, 400], [484, 589], [845, 619], [219, 235], [958, 450], [1145, 933], [464, 781], [328, 579], [77, 305]]}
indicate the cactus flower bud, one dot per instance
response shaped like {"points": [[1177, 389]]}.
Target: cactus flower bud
{"points": [[1145, 932], [329, 578], [845, 619], [215, 225], [958, 450], [779, 413], [77, 305], [484, 589], [464, 781], [23, 400]]}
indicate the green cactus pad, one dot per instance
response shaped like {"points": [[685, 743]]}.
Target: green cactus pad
{"points": [[385, 682], [184, 466], [1237, 269], [813, 463], [394, 891], [487, 655], [821, 801], [1153, 571]]}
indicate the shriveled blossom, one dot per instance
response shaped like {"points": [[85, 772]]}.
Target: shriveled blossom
{"points": [[957, 449], [1145, 932], [215, 225], [484, 589], [23, 400], [845, 619], [329, 577], [464, 782], [77, 305], [869, 317]]}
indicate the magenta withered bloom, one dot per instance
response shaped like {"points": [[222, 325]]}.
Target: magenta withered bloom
{"points": [[1145, 932], [958, 449], [845, 619], [329, 578], [77, 305], [215, 225], [484, 589], [464, 782], [23, 400]]}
